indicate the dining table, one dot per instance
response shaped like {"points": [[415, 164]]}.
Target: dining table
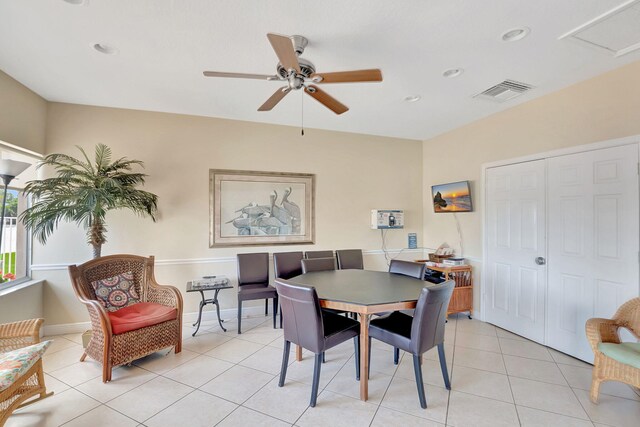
{"points": [[364, 292]]}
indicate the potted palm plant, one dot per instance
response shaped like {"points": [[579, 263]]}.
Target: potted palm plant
{"points": [[83, 191]]}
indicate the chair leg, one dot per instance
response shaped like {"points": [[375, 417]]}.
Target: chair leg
{"points": [[396, 355], [443, 366], [356, 345], [106, 371], [595, 389], [239, 317], [324, 360], [285, 362], [178, 347], [417, 367], [316, 379], [84, 356], [266, 307], [275, 311]]}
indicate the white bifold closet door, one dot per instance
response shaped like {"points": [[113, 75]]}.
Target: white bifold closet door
{"points": [[593, 238], [515, 291]]}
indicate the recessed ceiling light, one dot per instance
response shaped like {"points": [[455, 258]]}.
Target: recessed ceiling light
{"points": [[452, 72], [75, 2], [412, 98], [516, 34], [106, 49]]}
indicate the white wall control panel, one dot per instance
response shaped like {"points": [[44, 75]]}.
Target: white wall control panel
{"points": [[387, 218]]}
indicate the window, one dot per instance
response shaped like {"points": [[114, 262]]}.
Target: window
{"points": [[9, 243], [15, 242]]}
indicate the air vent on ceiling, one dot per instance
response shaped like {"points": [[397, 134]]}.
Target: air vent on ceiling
{"points": [[504, 91], [616, 32]]}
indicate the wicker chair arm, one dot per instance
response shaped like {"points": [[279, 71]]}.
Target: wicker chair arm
{"points": [[100, 322], [19, 334], [602, 330], [164, 294]]}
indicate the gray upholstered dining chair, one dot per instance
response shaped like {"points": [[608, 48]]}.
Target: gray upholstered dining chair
{"points": [[318, 254], [323, 264], [285, 266], [316, 330], [407, 268], [350, 259], [419, 333], [253, 283], [318, 264]]}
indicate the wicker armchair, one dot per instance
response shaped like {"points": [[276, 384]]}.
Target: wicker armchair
{"points": [[606, 331], [117, 349], [14, 336]]}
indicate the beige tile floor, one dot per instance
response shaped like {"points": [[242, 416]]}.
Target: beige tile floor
{"points": [[225, 379]]}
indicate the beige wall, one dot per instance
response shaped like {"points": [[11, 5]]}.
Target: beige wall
{"points": [[22, 303], [22, 123], [23, 115], [354, 174], [599, 109]]}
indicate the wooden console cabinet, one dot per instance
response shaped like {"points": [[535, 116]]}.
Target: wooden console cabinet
{"points": [[462, 298]]}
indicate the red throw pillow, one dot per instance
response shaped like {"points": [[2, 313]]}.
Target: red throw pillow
{"points": [[116, 292]]}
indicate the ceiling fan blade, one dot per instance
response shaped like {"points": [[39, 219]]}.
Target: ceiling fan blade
{"points": [[325, 99], [275, 98], [239, 75], [373, 75], [284, 49]]}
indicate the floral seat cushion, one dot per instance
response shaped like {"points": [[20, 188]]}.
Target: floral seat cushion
{"points": [[14, 364], [116, 292]]}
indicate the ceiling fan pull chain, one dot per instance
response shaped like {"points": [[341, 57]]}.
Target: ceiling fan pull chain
{"points": [[302, 114]]}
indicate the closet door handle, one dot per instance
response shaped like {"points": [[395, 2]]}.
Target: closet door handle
{"points": [[541, 261]]}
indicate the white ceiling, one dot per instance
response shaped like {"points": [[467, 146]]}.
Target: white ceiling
{"points": [[164, 45]]}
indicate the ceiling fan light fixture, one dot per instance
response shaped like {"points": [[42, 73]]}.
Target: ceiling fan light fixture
{"points": [[298, 73], [105, 49], [452, 72], [412, 98], [515, 34]]}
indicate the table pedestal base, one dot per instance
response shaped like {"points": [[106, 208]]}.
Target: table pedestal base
{"points": [[204, 302]]}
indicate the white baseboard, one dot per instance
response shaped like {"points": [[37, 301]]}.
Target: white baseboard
{"points": [[207, 314]]}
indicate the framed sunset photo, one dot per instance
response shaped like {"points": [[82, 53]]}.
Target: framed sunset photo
{"points": [[451, 197]]}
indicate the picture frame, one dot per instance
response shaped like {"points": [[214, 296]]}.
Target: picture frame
{"points": [[258, 208], [452, 197]]}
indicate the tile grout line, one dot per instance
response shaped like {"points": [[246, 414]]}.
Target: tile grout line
{"points": [[99, 405], [453, 358], [324, 388], [199, 388], [386, 390], [575, 395], [556, 413], [510, 386]]}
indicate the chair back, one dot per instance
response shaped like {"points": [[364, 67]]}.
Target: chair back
{"points": [[109, 266], [427, 328], [407, 268], [253, 269], [318, 264], [628, 315], [287, 264], [301, 315], [350, 259], [318, 254]]}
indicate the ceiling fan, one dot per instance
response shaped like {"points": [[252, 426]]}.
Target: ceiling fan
{"points": [[298, 73]]}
